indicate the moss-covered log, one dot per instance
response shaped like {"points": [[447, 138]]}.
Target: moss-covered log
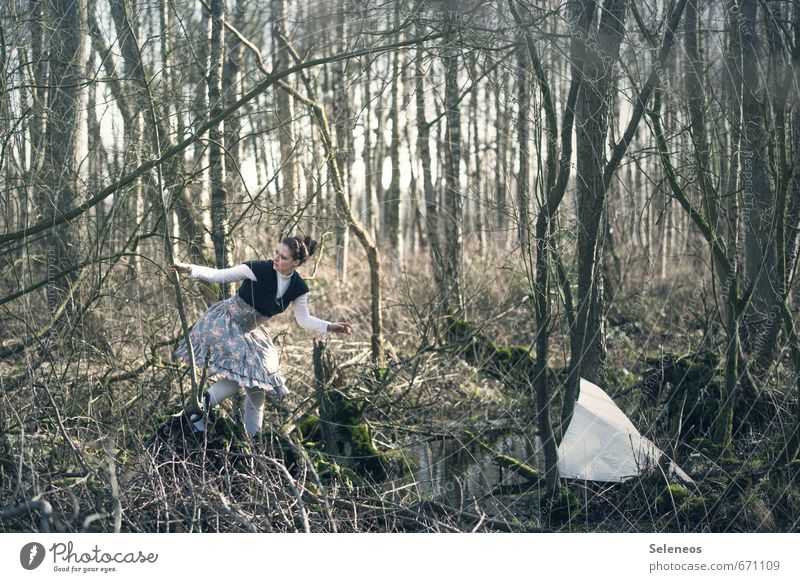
{"points": [[690, 388], [524, 470], [512, 364], [339, 429]]}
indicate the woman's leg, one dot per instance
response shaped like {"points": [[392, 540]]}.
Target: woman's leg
{"points": [[221, 390], [253, 410]]}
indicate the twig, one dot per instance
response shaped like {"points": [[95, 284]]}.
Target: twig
{"points": [[35, 504]]}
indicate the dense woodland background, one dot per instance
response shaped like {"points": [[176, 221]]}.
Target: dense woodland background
{"points": [[509, 196]]}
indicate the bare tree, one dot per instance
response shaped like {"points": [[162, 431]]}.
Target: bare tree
{"points": [[284, 112], [393, 209], [61, 148], [453, 196], [216, 148], [429, 192], [343, 126], [588, 351], [758, 202]]}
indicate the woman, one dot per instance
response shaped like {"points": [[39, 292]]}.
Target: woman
{"points": [[241, 350]]}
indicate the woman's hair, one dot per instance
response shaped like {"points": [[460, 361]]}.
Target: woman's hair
{"points": [[300, 248]]}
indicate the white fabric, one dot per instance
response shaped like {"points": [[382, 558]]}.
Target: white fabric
{"points": [[221, 390], [283, 283], [601, 443], [253, 410], [304, 319], [218, 392], [242, 272], [252, 404], [237, 273]]}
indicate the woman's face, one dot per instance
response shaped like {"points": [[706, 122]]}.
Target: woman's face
{"points": [[282, 261]]}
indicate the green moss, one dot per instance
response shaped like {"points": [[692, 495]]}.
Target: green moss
{"points": [[522, 469], [514, 362], [707, 447], [326, 467], [381, 374], [620, 378], [346, 436], [361, 440], [562, 506], [691, 388], [308, 426], [673, 496], [694, 509], [678, 492]]}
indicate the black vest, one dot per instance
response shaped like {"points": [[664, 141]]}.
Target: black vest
{"points": [[262, 293]]}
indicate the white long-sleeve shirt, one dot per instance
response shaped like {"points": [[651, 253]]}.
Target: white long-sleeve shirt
{"points": [[242, 272]]}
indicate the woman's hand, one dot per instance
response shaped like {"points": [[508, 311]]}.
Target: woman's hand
{"points": [[341, 327], [180, 268]]}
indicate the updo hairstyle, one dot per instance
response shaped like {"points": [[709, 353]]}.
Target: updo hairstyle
{"points": [[300, 248]]}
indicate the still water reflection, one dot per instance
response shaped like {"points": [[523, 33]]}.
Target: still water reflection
{"points": [[453, 469]]}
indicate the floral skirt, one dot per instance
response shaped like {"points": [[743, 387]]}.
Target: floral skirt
{"points": [[240, 347]]}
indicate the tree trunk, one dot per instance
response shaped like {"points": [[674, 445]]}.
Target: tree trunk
{"points": [[476, 187], [393, 208], [344, 139], [555, 183], [94, 167], [761, 319], [415, 232], [453, 204], [370, 199], [67, 19], [523, 174], [133, 123], [502, 109], [284, 114], [232, 83], [37, 193], [216, 149], [791, 242], [597, 70], [431, 202], [377, 162]]}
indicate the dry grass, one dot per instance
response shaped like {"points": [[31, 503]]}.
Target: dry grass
{"points": [[88, 441]]}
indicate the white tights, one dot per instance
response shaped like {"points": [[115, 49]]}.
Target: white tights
{"points": [[252, 404]]}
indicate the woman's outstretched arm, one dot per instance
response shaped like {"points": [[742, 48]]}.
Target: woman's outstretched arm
{"points": [[231, 275], [304, 319]]}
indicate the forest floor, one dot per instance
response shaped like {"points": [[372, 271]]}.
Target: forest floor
{"points": [[433, 442]]}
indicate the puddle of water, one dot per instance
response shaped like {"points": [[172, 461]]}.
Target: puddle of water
{"points": [[450, 468]]}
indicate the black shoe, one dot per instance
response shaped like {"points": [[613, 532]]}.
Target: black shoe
{"points": [[199, 420]]}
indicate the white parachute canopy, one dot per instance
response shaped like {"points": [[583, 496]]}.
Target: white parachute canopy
{"points": [[601, 443]]}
